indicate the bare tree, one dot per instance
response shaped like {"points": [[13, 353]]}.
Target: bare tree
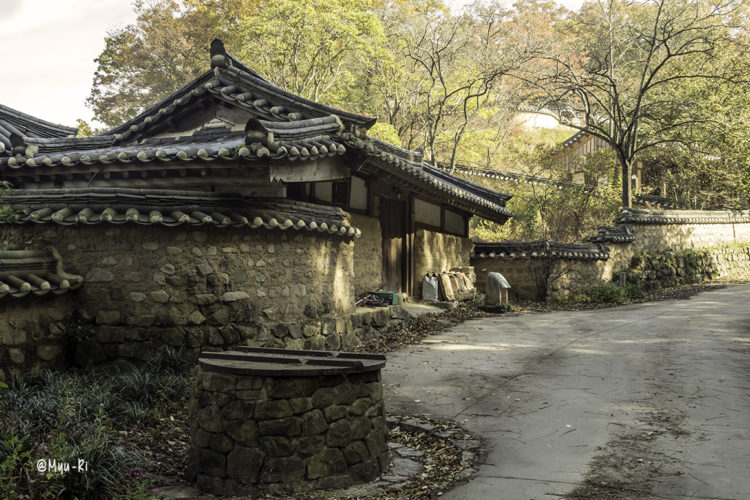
{"points": [[457, 63], [616, 81]]}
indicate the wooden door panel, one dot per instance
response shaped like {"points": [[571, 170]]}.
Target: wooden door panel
{"points": [[393, 224]]}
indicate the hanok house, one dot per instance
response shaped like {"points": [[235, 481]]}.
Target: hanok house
{"points": [[231, 211]]}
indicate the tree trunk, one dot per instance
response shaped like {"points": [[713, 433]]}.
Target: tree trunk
{"points": [[627, 194]]}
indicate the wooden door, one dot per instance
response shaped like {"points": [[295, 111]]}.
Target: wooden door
{"points": [[393, 222]]}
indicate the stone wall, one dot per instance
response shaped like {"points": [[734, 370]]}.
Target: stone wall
{"points": [[652, 238], [368, 254], [300, 432], [142, 276], [522, 274], [203, 288], [570, 277], [722, 248], [152, 286], [437, 252], [35, 331], [666, 269]]}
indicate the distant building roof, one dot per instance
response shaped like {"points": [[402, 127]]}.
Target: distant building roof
{"points": [[14, 122]]}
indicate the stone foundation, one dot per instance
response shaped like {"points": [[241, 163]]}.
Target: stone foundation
{"points": [[666, 269], [35, 331], [294, 433], [43, 332]]}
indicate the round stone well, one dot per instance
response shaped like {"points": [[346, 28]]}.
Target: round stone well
{"points": [[288, 419]]}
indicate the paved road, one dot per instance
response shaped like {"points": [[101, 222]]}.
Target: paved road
{"points": [[643, 401]]}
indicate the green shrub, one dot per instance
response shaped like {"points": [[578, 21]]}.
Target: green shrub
{"points": [[59, 417], [691, 260], [72, 416], [636, 260], [633, 292], [504, 307]]}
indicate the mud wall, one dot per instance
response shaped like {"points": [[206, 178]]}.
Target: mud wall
{"points": [[437, 252]]}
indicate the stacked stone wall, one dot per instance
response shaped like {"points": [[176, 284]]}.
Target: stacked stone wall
{"points": [[35, 331], [145, 275], [666, 269], [152, 286], [202, 288], [722, 251], [299, 432]]}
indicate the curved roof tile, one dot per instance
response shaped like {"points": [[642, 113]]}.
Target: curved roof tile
{"points": [[37, 272], [617, 234], [541, 249], [89, 206], [13, 122], [640, 216], [287, 127]]}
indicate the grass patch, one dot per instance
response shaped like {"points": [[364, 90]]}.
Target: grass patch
{"points": [[86, 416]]}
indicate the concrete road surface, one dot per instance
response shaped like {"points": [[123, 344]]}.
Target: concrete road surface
{"points": [[640, 401]]}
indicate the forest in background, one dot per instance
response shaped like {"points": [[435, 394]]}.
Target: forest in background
{"points": [[663, 82]]}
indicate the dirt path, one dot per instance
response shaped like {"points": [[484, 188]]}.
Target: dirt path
{"points": [[642, 401]]}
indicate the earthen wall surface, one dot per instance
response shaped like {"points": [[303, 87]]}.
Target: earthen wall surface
{"points": [[368, 254], [438, 252], [521, 275]]}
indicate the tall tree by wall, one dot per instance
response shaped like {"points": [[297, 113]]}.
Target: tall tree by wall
{"points": [[452, 67], [163, 50], [617, 78], [318, 49]]}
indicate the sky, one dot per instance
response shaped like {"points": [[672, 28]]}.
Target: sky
{"points": [[48, 49]]}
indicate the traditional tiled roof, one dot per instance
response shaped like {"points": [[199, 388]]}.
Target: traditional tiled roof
{"points": [[573, 138], [409, 168], [522, 178], [233, 82], [281, 126], [616, 234], [540, 249], [298, 140], [14, 122], [173, 208], [39, 272], [638, 216]]}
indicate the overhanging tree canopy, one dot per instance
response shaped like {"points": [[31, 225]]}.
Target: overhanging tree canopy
{"points": [[617, 79]]}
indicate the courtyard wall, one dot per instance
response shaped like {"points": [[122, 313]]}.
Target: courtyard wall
{"points": [[198, 288], [666, 248]]}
